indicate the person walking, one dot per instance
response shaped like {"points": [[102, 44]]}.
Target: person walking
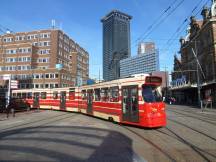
{"points": [[11, 108], [209, 101], [7, 110], [2, 104]]}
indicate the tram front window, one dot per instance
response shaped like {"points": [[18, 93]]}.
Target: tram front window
{"points": [[150, 94]]}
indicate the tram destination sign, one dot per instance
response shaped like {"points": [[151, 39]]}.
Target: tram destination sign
{"points": [[153, 79]]}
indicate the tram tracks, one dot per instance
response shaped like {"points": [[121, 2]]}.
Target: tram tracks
{"points": [[153, 144], [204, 113], [195, 148], [195, 130], [201, 152], [168, 132], [198, 117]]}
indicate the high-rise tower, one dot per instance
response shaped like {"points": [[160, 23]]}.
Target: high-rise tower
{"points": [[116, 42]]}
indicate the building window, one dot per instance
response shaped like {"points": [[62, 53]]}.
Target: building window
{"points": [[20, 38], [35, 43], [51, 75], [8, 39], [45, 35], [11, 51], [43, 60], [47, 75], [52, 86]]}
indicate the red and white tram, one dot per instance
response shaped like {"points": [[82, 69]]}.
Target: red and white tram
{"points": [[135, 101]]}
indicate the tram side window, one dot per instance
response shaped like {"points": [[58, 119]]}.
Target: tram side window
{"points": [[114, 94], [72, 95], [14, 95], [24, 95], [105, 94], [19, 95], [29, 95], [43, 95], [97, 94], [84, 97], [55, 95]]}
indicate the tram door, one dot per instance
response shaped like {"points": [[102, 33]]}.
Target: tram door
{"points": [[62, 100], [130, 109], [89, 101], [36, 100]]}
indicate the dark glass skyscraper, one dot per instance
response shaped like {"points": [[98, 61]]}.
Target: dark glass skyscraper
{"points": [[116, 42]]}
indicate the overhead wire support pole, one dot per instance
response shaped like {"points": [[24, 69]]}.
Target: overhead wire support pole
{"points": [[165, 81], [9, 91], [198, 64], [198, 77]]}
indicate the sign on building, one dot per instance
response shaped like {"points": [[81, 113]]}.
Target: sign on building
{"points": [[14, 84], [5, 77]]}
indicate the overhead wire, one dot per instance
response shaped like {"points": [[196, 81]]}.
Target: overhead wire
{"points": [[4, 29], [156, 22], [163, 19], [178, 32]]}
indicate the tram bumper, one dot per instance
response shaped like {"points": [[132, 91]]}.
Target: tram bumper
{"points": [[153, 121]]}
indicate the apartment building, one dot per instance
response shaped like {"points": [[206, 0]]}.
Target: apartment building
{"points": [[42, 59]]}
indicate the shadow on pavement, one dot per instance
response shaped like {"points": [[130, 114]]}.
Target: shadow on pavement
{"points": [[65, 143]]}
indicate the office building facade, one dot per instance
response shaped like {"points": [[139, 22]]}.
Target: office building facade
{"points": [[116, 42], [147, 62], [42, 59], [144, 47]]}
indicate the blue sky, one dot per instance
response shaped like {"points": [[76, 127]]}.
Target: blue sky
{"points": [[80, 19]]}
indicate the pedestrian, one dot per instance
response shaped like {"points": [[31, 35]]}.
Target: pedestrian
{"points": [[11, 108], [209, 101], [170, 100], [2, 104], [173, 100], [7, 110]]}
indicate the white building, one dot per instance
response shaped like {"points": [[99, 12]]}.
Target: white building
{"points": [[147, 62]]}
